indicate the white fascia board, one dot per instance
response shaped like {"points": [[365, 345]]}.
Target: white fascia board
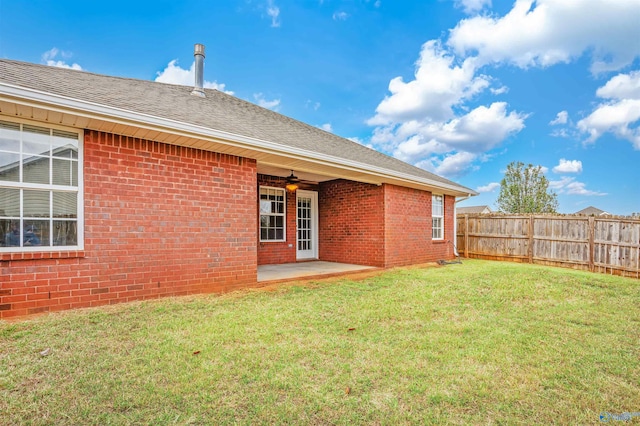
{"points": [[63, 104]]}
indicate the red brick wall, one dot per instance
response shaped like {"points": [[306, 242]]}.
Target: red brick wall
{"points": [[382, 226], [160, 220], [408, 227], [351, 222]]}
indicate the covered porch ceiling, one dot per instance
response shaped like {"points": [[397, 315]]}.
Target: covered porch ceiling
{"points": [[271, 159]]}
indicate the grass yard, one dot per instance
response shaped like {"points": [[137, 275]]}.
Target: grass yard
{"points": [[478, 343]]}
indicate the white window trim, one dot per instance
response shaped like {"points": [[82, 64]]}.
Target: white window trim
{"points": [[433, 196], [284, 215], [52, 187]]}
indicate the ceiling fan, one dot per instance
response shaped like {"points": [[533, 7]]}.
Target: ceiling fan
{"points": [[293, 182]]}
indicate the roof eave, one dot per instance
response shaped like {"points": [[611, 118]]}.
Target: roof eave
{"points": [[39, 99]]}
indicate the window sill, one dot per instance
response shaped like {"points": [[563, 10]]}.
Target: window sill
{"points": [[38, 255], [438, 241]]}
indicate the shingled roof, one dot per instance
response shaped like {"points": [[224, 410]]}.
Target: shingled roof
{"points": [[592, 211], [217, 110], [473, 209]]}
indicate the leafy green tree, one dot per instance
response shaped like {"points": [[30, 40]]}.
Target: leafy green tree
{"points": [[526, 190]]}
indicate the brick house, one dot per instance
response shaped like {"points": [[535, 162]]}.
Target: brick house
{"points": [[115, 189]]}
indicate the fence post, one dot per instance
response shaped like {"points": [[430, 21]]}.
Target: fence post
{"points": [[530, 235], [592, 238], [466, 236]]}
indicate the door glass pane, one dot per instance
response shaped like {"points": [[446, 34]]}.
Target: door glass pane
{"points": [[304, 224]]}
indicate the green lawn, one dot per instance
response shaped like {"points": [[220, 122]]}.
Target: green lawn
{"points": [[478, 343]]}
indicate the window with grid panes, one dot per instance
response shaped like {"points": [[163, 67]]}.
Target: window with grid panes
{"points": [[272, 214], [437, 217], [40, 180]]}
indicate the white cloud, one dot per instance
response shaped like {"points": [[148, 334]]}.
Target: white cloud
{"points": [[472, 6], [578, 188], [565, 127], [173, 74], [452, 165], [326, 127], [433, 120], [568, 185], [418, 122], [568, 166], [622, 86], [313, 105], [264, 103], [620, 114], [490, 187], [49, 58], [615, 118], [480, 130], [340, 16], [440, 84], [274, 13], [561, 118], [557, 185], [546, 32], [500, 90]]}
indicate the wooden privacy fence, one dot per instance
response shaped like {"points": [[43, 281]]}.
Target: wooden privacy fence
{"points": [[607, 245]]}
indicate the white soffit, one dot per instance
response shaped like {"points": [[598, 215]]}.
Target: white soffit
{"points": [[31, 104]]}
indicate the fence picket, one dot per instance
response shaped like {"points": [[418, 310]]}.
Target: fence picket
{"points": [[609, 245]]}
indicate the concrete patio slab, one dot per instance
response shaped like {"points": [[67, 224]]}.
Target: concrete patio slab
{"points": [[291, 271]]}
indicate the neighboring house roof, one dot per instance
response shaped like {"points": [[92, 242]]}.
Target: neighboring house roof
{"points": [[473, 209], [592, 211], [163, 111]]}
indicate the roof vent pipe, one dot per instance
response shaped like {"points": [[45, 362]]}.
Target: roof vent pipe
{"points": [[198, 53]]}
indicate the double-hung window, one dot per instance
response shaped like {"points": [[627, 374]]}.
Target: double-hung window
{"points": [[272, 214], [437, 217], [40, 188]]}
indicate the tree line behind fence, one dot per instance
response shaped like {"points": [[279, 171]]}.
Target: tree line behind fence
{"points": [[607, 245]]}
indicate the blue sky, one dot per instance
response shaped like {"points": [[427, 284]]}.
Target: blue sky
{"points": [[458, 87]]}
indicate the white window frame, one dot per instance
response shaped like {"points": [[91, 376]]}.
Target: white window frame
{"points": [[437, 214], [79, 189], [283, 214]]}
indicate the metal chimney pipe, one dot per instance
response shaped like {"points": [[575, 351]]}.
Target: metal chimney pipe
{"points": [[198, 53]]}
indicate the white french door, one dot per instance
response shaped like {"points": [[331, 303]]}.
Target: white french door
{"points": [[307, 225]]}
